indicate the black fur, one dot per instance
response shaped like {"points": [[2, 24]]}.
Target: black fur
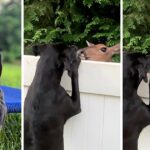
{"points": [[136, 114], [47, 104]]}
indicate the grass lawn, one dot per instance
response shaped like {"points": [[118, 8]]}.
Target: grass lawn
{"points": [[10, 136]]}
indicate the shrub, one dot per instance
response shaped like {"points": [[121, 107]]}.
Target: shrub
{"points": [[136, 25], [10, 30], [72, 22]]}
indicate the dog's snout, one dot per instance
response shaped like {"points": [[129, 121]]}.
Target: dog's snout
{"points": [[80, 52]]}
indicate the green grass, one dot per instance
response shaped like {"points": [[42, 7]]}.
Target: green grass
{"points": [[11, 75], [10, 136]]}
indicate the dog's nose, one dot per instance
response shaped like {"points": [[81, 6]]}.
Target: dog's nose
{"points": [[81, 53]]}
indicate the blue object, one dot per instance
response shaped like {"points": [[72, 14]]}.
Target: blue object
{"points": [[12, 97]]}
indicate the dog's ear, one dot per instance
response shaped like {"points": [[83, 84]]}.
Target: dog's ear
{"points": [[38, 49], [64, 59], [69, 57], [59, 47], [142, 73], [148, 63], [35, 50], [66, 55], [142, 68], [59, 63]]}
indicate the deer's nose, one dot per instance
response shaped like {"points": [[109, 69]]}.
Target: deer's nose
{"points": [[115, 49]]}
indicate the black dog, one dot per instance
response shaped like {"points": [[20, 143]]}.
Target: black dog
{"points": [[47, 104], [136, 114]]}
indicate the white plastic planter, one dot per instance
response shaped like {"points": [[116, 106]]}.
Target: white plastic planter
{"points": [[98, 126], [144, 143]]}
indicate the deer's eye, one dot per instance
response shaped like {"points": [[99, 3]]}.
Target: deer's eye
{"points": [[103, 49]]}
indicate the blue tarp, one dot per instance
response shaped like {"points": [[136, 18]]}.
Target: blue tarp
{"points": [[12, 97]]}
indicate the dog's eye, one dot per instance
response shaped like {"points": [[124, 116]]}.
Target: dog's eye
{"points": [[103, 49]]}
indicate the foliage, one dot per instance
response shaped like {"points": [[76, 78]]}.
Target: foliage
{"points": [[137, 25], [10, 136], [11, 133], [72, 21], [10, 30]]}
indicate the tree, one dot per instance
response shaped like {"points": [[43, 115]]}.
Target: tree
{"points": [[10, 30], [72, 21], [136, 25]]}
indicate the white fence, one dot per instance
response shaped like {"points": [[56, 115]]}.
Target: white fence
{"points": [[144, 143], [98, 126]]}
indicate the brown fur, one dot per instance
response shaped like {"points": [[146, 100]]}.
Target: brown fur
{"points": [[100, 52]]}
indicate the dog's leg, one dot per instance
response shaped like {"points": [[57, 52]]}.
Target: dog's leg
{"points": [[27, 137], [149, 93], [75, 86], [145, 115]]}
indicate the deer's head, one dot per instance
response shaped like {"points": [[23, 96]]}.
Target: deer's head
{"points": [[99, 52]]}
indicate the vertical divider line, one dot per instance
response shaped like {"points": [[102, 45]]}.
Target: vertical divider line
{"points": [[121, 74], [22, 74]]}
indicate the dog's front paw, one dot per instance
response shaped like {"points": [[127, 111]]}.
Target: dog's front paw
{"points": [[74, 65], [73, 71]]}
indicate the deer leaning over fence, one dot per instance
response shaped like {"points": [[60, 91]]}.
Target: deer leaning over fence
{"points": [[99, 52]]}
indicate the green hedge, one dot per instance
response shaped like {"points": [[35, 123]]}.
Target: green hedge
{"points": [[136, 25], [72, 21]]}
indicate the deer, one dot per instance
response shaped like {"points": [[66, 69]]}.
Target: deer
{"points": [[99, 52]]}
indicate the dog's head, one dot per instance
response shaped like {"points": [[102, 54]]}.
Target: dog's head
{"points": [[136, 65], [63, 56]]}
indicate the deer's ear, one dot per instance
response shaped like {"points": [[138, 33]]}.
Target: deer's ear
{"points": [[89, 44]]}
